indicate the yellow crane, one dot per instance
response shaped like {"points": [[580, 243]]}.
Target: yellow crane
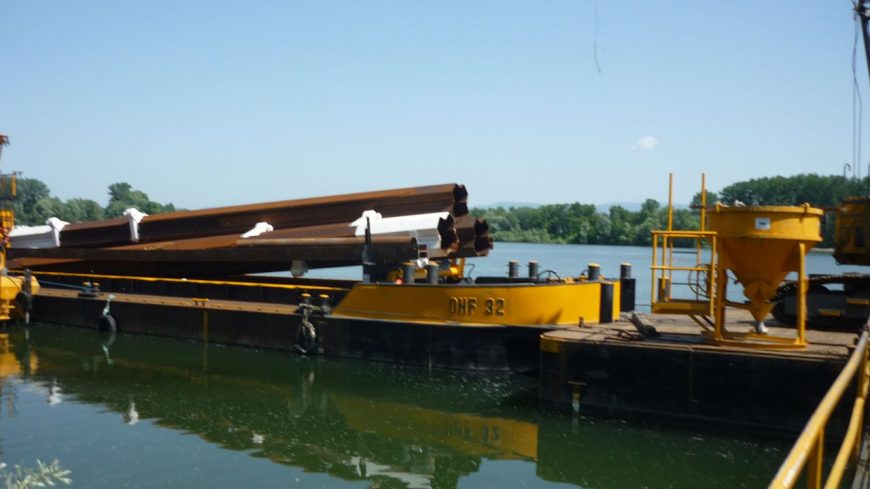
{"points": [[16, 292]]}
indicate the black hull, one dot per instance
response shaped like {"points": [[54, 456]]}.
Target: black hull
{"points": [[491, 348]]}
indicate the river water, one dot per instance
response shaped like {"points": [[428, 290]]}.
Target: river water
{"points": [[143, 412]]}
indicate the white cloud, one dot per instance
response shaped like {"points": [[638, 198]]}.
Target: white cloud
{"points": [[647, 143]]}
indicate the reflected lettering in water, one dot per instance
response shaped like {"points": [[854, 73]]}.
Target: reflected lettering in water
{"points": [[122, 412]]}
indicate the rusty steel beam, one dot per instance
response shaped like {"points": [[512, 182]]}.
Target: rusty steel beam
{"points": [[445, 230], [318, 211], [251, 256], [304, 212], [474, 239], [106, 232]]}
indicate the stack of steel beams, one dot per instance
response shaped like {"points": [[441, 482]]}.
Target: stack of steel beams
{"points": [[250, 256], [337, 209], [410, 223], [474, 238]]}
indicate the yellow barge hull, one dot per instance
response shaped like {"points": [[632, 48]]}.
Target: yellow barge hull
{"points": [[465, 326]]}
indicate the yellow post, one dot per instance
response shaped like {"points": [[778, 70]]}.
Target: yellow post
{"points": [[669, 246], [712, 292], [698, 247], [802, 295], [703, 201], [670, 201], [814, 470], [862, 395], [655, 273], [721, 287]]}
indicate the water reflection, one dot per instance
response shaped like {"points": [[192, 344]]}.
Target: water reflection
{"points": [[131, 416], [55, 393], [356, 421]]}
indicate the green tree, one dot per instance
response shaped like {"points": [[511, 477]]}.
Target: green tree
{"points": [[34, 204], [81, 210], [30, 191], [45, 208], [122, 196]]}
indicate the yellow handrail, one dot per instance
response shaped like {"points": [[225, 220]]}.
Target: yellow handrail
{"points": [[808, 451], [663, 266], [193, 281]]}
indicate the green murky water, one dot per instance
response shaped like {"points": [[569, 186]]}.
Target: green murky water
{"points": [[153, 412]]}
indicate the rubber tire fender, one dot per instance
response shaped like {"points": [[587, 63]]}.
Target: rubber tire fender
{"points": [[305, 341], [107, 324], [24, 301]]}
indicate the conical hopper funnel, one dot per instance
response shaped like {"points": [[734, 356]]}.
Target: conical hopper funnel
{"points": [[760, 246]]}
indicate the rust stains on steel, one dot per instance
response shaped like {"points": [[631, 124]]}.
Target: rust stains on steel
{"points": [[249, 256], [317, 231], [474, 239], [106, 232], [315, 211], [305, 212], [445, 230]]}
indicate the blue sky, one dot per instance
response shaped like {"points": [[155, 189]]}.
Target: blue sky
{"points": [[208, 103]]}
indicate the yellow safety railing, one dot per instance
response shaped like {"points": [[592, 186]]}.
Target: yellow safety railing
{"points": [[93, 276], [808, 451], [667, 272]]}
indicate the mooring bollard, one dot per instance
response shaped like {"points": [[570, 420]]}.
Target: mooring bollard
{"points": [[513, 269], [432, 273], [626, 288], [533, 269], [409, 270], [594, 271], [325, 307]]}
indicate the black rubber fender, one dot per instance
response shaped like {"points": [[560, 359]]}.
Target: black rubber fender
{"points": [[107, 324], [24, 301], [306, 339]]}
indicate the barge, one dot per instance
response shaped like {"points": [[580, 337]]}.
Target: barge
{"points": [[199, 275], [490, 324]]}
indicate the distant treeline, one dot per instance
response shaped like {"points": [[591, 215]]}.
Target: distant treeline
{"points": [[35, 204], [582, 224]]}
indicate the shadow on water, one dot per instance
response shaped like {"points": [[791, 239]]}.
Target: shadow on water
{"points": [[119, 412]]}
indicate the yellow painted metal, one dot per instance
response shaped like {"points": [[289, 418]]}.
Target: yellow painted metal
{"points": [[670, 201], [852, 231], [454, 272], [808, 452], [564, 304], [617, 294], [193, 281], [759, 245], [830, 313], [666, 273], [9, 288], [682, 306], [703, 202], [7, 218]]}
